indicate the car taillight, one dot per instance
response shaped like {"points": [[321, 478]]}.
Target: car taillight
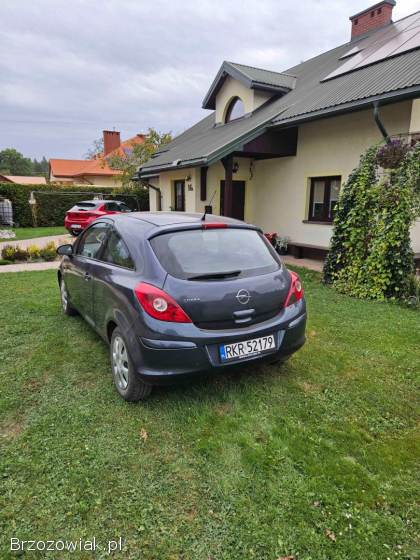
{"points": [[159, 304], [295, 290]]}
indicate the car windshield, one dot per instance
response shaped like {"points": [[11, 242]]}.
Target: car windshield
{"points": [[214, 253]]}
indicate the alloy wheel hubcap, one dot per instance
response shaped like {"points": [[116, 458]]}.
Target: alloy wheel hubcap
{"points": [[120, 363]]}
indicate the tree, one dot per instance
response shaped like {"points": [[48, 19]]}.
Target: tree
{"points": [[138, 154], [40, 167], [12, 162], [96, 149]]}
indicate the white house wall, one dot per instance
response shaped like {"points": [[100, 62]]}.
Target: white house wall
{"points": [[325, 147], [277, 190], [231, 88]]}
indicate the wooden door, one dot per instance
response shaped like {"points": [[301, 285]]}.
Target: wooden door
{"points": [[238, 206]]}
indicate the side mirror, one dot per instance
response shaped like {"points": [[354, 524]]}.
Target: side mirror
{"points": [[65, 250]]}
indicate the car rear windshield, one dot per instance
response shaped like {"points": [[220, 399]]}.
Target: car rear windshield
{"points": [[216, 253], [87, 204]]}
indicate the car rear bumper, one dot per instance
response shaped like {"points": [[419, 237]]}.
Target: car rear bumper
{"points": [[76, 224], [170, 359]]}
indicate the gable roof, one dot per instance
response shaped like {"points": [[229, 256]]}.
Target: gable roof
{"points": [[23, 179], [80, 167], [391, 79], [252, 78], [69, 168]]}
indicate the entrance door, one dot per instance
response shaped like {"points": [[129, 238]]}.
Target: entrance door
{"points": [[238, 206], [179, 196]]}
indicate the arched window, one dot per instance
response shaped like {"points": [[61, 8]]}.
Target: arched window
{"points": [[235, 110]]}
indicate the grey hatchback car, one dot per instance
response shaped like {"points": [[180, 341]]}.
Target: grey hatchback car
{"points": [[176, 294]]}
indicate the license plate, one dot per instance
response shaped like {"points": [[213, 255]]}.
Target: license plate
{"points": [[247, 348], [75, 226]]}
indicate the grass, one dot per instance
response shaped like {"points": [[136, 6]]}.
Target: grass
{"points": [[317, 459], [32, 233]]}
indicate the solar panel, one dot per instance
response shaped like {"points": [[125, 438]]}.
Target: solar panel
{"points": [[390, 41], [351, 52]]}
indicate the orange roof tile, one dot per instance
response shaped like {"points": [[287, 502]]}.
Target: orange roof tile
{"points": [[24, 179], [95, 166], [80, 167]]}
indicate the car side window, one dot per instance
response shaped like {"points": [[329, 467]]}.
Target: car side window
{"points": [[116, 252], [112, 207], [92, 241]]}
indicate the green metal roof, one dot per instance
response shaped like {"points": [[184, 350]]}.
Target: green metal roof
{"points": [[253, 78], [388, 80]]}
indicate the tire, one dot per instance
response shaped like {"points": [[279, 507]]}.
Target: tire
{"points": [[68, 309], [75, 232], [127, 382]]}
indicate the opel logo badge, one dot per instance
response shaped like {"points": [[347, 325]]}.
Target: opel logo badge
{"points": [[243, 296]]}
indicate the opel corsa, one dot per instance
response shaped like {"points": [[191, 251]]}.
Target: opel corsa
{"points": [[178, 294]]}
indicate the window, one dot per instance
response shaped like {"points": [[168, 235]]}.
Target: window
{"points": [[356, 21], [379, 10], [116, 252], [185, 254], [323, 197], [372, 13], [179, 196], [92, 241], [116, 207], [235, 110]]}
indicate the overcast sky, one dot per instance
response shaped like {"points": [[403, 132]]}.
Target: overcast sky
{"points": [[71, 68]]}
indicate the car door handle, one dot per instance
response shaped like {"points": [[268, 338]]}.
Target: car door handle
{"points": [[87, 276]]}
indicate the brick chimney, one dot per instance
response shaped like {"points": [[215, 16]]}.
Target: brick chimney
{"points": [[376, 16], [112, 141]]}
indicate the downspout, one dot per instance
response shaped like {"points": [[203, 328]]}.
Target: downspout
{"points": [[149, 186], [379, 123]]}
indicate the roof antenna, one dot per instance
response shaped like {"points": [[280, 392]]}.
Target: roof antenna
{"points": [[203, 217]]}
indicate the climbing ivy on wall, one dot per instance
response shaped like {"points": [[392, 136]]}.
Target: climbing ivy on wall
{"points": [[371, 255]]}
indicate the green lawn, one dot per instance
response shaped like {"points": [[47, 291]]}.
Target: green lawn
{"points": [[31, 233], [316, 459]]}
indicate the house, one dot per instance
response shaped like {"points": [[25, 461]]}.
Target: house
{"points": [[23, 179], [278, 146], [95, 171]]}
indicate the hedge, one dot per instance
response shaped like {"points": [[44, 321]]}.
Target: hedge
{"points": [[53, 201]]}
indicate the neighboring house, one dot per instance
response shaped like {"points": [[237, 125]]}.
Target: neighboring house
{"points": [[96, 171], [23, 180], [278, 146]]}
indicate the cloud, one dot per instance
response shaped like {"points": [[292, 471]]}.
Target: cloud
{"points": [[70, 69]]}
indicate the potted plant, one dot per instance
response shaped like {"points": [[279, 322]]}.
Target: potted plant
{"points": [[282, 244], [391, 154]]}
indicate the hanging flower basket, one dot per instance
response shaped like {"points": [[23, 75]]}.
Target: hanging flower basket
{"points": [[390, 155]]}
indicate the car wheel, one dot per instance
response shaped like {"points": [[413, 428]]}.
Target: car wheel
{"points": [[127, 382], [64, 296], [74, 232]]}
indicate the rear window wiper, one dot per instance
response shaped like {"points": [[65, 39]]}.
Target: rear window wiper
{"points": [[215, 275]]}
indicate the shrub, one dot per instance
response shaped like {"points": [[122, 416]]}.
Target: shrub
{"points": [[371, 255], [53, 201], [49, 252], [14, 253], [5, 261], [34, 252], [8, 252]]}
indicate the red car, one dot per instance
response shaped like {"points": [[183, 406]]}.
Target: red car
{"points": [[83, 213]]}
